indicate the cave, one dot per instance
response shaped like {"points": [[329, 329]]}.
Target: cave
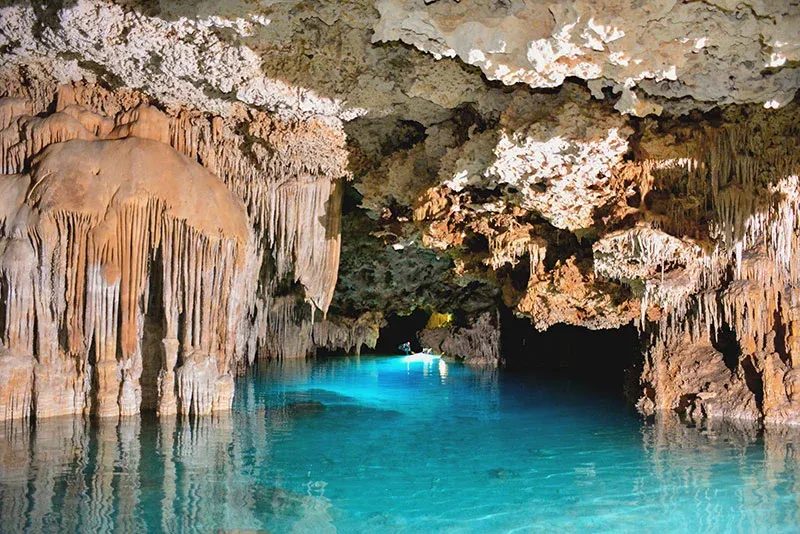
{"points": [[220, 220], [400, 329]]}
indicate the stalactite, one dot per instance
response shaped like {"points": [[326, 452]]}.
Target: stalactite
{"points": [[289, 177], [225, 302], [509, 246], [83, 232], [739, 273], [349, 334]]}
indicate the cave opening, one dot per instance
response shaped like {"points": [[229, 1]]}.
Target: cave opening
{"points": [[606, 360], [725, 343], [399, 329]]}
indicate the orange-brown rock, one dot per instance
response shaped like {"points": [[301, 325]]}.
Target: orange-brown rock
{"points": [[104, 239], [132, 276], [476, 344]]}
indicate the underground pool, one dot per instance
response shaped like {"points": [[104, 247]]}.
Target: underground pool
{"points": [[391, 444]]}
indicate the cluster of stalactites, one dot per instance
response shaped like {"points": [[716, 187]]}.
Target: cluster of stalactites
{"points": [[757, 280], [286, 331], [291, 183], [740, 174], [93, 236], [349, 334], [765, 255], [288, 175], [744, 278]]}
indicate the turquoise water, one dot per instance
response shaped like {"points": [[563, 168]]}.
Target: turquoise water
{"points": [[383, 445]]}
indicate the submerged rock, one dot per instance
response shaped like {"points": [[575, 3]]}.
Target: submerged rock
{"points": [[299, 409], [502, 474]]}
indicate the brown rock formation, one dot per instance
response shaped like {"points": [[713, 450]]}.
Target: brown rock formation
{"points": [[692, 235], [738, 199], [132, 278], [477, 344], [105, 243]]}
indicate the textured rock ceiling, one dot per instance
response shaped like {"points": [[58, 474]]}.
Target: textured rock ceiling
{"points": [[714, 52], [293, 58], [302, 57], [476, 130]]}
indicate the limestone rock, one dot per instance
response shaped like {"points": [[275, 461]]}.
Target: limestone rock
{"points": [[692, 380], [711, 52], [16, 385], [476, 344], [542, 193], [115, 235], [97, 227], [554, 157]]}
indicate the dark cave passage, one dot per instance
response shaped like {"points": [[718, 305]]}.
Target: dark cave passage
{"points": [[602, 360], [726, 343], [154, 331], [398, 330], [608, 360]]}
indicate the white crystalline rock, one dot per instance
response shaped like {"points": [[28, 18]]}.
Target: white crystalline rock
{"points": [[459, 181], [545, 55], [661, 269], [642, 252], [560, 168], [566, 168], [270, 55], [710, 51], [180, 61]]}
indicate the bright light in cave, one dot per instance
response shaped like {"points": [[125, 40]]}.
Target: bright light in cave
{"points": [[421, 357]]}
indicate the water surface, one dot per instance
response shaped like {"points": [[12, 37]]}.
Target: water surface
{"points": [[384, 445]]}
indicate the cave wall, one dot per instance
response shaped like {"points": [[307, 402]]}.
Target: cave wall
{"points": [[89, 203], [598, 165]]}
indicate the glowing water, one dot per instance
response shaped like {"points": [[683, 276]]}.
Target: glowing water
{"points": [[388, 445]]}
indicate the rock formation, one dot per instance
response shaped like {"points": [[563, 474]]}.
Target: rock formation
{"points": [[132, 277], [476, 344], [123, 266], [591, 164]]}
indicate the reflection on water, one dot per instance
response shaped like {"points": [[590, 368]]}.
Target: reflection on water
{"points": [[742, 469], [139, 475], [365, 445]]}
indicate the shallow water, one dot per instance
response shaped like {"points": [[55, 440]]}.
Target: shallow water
{"points": [[383, 445]]}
